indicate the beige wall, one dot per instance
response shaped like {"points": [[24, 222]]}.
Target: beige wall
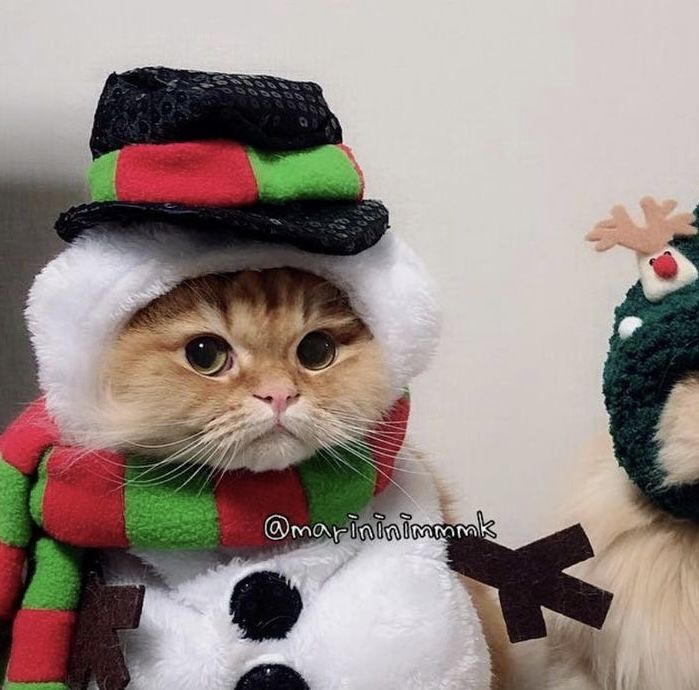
{"points": [[497, 132]]}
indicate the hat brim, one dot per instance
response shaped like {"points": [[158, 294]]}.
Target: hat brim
{"points": [[322, 227]]}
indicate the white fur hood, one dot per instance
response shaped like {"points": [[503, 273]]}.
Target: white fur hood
{"points": [[85, 295]]}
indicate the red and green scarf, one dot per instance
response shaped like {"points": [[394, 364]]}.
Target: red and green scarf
{"points": [[56, 501]]}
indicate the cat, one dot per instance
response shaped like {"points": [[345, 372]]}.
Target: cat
{"points": [[255, 370], [647, 558]]}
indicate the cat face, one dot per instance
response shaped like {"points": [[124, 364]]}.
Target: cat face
{"points": [[257, 369]]}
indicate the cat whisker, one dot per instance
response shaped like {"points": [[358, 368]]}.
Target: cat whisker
{"points": [[156, 446], [170, 459], [341, 443], [346, 414], [198, 468], [227, 455], [379, 446], [391, 480], [339, 438]]}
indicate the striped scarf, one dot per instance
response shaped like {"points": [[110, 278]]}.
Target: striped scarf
{"points": [[57, 501]]}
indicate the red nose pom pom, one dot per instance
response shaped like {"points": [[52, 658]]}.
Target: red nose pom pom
{"points": [[665, 266]]}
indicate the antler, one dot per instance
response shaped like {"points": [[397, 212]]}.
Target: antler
{"points": [[660, 228]]}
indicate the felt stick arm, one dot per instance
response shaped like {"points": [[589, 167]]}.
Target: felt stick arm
{"points": [[96, 650], [530, 577]]}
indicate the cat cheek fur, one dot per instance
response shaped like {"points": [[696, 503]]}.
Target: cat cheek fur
{"points": [[678, 433]]}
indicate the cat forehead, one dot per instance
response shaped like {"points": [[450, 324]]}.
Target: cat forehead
{"points": [[279, 294]]}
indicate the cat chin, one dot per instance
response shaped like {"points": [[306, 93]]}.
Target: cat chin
{"points": [[273, 451]]}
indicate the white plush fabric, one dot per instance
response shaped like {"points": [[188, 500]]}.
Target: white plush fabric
{"points": [[376, 615], [85, 295], [628, 326]]}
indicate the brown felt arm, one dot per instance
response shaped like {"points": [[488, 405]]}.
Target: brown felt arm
{"points": [[530, 577]]}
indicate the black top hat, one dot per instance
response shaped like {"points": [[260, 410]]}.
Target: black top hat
{"points": [[256, 157]]}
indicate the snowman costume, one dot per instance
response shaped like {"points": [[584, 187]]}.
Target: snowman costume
{"points": [[375, 615]]}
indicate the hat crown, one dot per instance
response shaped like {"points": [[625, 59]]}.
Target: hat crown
{"points": [[162, 104]]}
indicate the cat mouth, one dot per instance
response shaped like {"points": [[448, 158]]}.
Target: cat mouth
{"points": [[269, 445], [277, 429]]}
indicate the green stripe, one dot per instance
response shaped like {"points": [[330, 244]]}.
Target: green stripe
{"points": [[338, 482], [323, 172], [101, 177], [56, 581], [35, 686], [170, 507], [36, 498], [15, 521]]}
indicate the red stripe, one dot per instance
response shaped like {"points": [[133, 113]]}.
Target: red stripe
{"points": [[386, 441], [245, 500], [84, 498], [40, 646], [353, 160], [11, 567], [199, 173], [22, 444]]}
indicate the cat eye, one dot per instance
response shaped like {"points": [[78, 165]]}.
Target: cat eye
{"points": [[317, 350], [208, 354]]}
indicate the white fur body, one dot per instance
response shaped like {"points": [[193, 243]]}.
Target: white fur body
{"points": [[387, 615]]}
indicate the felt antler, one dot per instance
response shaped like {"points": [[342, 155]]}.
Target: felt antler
{"points": [[660, 227]]}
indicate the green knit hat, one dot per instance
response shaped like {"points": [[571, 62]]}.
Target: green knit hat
{"points": [[655, 343]]}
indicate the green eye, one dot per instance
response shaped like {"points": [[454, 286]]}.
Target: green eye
{"points": [[209, 355], [317, 350]]}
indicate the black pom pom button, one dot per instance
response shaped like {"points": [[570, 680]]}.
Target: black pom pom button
{"points": [[272, 677], [265, 607]]}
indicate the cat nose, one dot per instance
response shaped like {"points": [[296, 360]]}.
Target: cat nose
{"points": [[277, 397]]}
